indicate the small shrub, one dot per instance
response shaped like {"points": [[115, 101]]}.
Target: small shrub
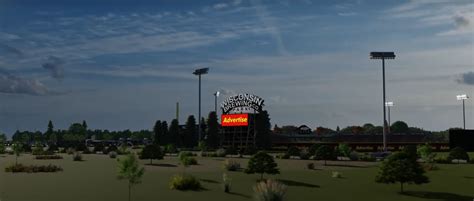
{"points": [[231, 151], [187, 161], [70, 151], [459, 154], [37, 150], [77, 156], [98, 148], [185, 182], [310, 166], [304, 155], [32, 168], [170, 148], [367, 158], [269, 190], [250, 150], [48, 157], [184, 154], [221, 152], [442, 160], [293, 151], [87, 151], [354, 156], [336, 174], [113, 154], [231, 165], [226, 182], [283, 156], [110, 149]]}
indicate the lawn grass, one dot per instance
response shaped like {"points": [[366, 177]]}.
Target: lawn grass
{"points": [[94, 179]]}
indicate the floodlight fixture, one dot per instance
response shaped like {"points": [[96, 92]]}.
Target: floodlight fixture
{"points": [[382, 55], [201, 71], [462, 97], [389, 104]]}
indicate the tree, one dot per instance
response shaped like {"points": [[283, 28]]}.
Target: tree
{"points": [[411, 151], [293, 151], [129, 169], [165, 138], [344, 150], [263, 138], [203, 128], [157, 131], [262, 163], [312, 149], [399, 127], [401, 167], [189, 137], [459, 154], [175, 133], [325, 153], [212, 130], [152, 151], [49, 131], [427, 155], [84, 125], [17, 149]]}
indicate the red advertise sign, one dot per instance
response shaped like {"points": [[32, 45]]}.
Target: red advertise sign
{"points": [[235, 120]]}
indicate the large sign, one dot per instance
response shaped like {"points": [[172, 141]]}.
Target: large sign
{"points": [[242, 103], [235, 120]]}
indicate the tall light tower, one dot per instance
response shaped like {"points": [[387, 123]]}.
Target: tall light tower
{"points": [[383, 56], [215, 101], [389, 104], [199, 72], [463, 97]]}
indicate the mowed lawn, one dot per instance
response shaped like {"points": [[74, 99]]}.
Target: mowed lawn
{"points": [[94, 179]]}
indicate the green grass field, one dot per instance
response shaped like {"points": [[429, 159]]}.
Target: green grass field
{"points": [[95, 180]]}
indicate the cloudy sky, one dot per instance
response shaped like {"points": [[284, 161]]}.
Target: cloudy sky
{"points": [[118, 64]]}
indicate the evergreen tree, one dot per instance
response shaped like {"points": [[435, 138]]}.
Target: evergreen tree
{"points": [[174, 133], [212, 130], [401, 167], [49, 131], [84, 124], [157, 133], [263, 138], [262, 163], [165, 138], [203, 129], [190, 134]]}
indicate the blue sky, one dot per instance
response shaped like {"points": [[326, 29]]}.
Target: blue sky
{"points": [[124, 64]]}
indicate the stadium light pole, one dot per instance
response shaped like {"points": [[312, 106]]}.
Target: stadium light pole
{"points": [[199, 72], [389, 104], [383, 56], [215, 101], [463, 97]]}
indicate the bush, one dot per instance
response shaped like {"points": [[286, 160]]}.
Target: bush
{"points": [[48, 157], [304, 156], [458, 153], [293, 151], [77, 156], [313, 148], [367, 158], [37, 150], [87, 151], [113, 154], [269, 190], [98, 148], [221, 152], [185, 182], [32, 168], [336, 174], [354, 156], [310, 166], [442, 161], [283, 156], [170, 148], [187, 161], [184, 154], [231, 165], [231, 151], [70, 151], [152, 151], [250, 150], [110, 149]]}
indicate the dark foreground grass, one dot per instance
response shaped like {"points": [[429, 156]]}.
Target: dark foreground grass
{"points": [[94, 179]]}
